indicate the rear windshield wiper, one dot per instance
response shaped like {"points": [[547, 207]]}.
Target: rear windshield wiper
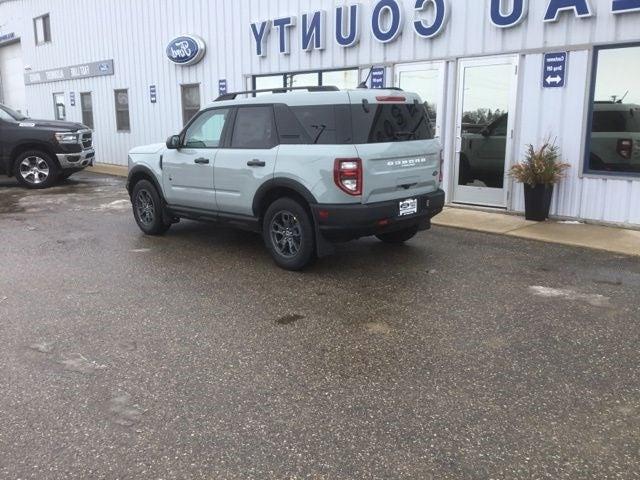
{"points": [[322, 128]]}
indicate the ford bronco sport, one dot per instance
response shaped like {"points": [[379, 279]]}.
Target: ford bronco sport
{"points": [[306, 167], [41, 152]]}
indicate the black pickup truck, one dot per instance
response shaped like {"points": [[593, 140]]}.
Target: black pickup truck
{"points": [[41, 152]]}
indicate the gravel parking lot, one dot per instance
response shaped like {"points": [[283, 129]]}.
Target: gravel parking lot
{"points": [[459, 355]]}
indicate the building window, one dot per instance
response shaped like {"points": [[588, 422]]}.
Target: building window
{"points": [[86, 105], [122, 110], [42, 29], [59, 109], [190, 102], [614, 127], [343, 79]]}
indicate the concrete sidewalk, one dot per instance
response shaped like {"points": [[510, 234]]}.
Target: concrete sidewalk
{"points": [[610, 239]]}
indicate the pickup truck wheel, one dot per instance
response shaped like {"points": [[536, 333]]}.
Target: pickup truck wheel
{"points": [[148, 208], [35, 169], [289, 234], [401, 236]]}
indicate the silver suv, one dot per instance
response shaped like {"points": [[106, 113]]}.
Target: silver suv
{"points": [[306, 167]]}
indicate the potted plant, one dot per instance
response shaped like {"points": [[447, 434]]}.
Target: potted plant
{"points": [[539, 172]]}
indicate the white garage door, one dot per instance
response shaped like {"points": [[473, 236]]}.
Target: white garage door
{"points": [[12, 77]]}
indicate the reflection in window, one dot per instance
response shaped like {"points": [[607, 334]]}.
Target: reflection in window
{"points": [[60, 110], [122, 110], [614, 142], [190, 102], [343, 79], [425, 83], [206, 130]]}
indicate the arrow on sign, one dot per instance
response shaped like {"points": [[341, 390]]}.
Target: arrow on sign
{"points": [[557, 79]]}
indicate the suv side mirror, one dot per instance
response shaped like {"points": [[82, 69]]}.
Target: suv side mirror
{"points": [[173, 142]]}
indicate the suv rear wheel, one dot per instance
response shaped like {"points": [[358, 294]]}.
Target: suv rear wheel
{"points": [[289, 234], [36, 169], [148, 209], [398, 237]]}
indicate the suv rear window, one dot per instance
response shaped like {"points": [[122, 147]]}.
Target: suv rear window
{"points": [[382, 123]]}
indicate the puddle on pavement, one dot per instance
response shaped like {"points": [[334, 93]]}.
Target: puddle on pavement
{"points": [[377, 328], [289, 319], [123, 411]]}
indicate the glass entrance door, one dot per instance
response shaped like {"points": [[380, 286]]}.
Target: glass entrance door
{"points": [[487, 91], [428, 81]]}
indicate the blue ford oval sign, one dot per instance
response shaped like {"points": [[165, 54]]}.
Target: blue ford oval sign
{"points": [[186, 50]]}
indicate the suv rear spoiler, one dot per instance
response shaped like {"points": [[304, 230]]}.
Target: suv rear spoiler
{"points": [[234, 95]]}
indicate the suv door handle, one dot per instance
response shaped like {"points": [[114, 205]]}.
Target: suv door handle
{"points": [[201, 161], [256, 163]]}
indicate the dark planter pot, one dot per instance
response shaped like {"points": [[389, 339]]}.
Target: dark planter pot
{"points": [[537, 202]]}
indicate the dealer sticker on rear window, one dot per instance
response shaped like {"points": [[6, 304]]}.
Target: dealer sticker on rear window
{"points": [[409, 207]]}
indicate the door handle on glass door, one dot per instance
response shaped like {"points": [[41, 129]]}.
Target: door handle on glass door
{"points": [[201, 161], [256, 163]]}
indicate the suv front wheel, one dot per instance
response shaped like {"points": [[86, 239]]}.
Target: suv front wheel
{"points": [[148, 209], [289, 234]]}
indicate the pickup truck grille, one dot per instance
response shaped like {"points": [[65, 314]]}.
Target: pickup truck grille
{"points": [[86, 139]]}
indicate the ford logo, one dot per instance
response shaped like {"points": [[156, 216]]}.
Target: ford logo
{"points": [[186, 50]]}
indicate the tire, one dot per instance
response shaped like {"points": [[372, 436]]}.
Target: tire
{"points": [[148, 208], [399, 237], [289, 234], [36, 169]]}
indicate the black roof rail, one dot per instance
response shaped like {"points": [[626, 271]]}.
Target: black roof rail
{"points": [[316, 88]]}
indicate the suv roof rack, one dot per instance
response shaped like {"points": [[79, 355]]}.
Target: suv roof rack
{"points": [[316, 88]]}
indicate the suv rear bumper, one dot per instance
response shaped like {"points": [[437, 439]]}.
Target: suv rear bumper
{"points": [[348, 222], [76, 160]]}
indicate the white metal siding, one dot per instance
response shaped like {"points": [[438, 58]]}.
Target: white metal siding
{"points": [[135, 33]]}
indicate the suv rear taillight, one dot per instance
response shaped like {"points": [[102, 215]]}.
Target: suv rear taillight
{"points": [[625, 148], [347, 173]]}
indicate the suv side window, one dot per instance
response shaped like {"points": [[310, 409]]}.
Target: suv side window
{"points": [[325, 124], [206, 130], [254, 128]]}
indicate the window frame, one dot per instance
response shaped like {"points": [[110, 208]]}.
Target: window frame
{"points": [[82, 110], [55, 106], [183, 87], [115, 101], [284, 76], [224, 137], [46, 32], [232, 127], [586, 161]]}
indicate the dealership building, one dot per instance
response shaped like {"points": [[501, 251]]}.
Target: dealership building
{"points": [[497, 75]]}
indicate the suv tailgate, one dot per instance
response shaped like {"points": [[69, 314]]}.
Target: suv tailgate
{"points": [[393, 171]]}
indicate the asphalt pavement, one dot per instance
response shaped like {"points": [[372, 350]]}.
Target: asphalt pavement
{"points": [[461, 355]]}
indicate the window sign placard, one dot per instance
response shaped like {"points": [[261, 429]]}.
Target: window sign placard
{"points": [[377, 77], [554, 72], [222, 87], [72, 99], [153, 94]]}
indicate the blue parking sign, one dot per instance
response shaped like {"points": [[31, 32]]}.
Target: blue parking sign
{"points": [[554, 71], [377, 77], [222, 87]]}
